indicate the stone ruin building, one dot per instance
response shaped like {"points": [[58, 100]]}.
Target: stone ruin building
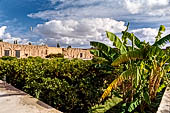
{"points": [[24, 51]]}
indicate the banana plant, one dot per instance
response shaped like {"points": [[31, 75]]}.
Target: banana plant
{"points": [[107, 52], [145, 67], [104, 51]]}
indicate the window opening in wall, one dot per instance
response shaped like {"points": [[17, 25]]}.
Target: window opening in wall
{"points": [[6, 53], [81, 54], [17, 53]]}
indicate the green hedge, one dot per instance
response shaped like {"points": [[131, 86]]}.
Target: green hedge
{"points": [[59, 55], [71, 86]]}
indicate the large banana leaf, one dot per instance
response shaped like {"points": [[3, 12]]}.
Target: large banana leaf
{"points": [[100, 53], [97, 53], [134, 105], [103, 50], [125, 75], [162, 41], [124, 38], [167, 68], [161, 29], [132, 37], [100, 46], [132, 55], [116, 42], [155, 51], [108, 104]]}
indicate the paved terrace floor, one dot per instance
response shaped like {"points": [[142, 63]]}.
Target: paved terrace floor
{"points": [[164, 106], [13, 100]]}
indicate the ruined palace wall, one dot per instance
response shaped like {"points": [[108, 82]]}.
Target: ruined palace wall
{"points": [[77, 53], [25, 50], [42, 51], [54, 50]]}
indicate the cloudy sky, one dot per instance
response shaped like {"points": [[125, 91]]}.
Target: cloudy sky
{"points": [[77, 22]]}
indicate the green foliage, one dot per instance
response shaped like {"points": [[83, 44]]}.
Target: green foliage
{"points": [[29, 43], [58, 45], [15, 42], [103, 50], [146, 97], [71, 86], [7, 58], [143, 71], [132, 37], [116, 42], [134, 105], [161, 29], [132, 55], [59, 55], [108, 104], [74, 86], [162, 41], [124, 36], [116, 82], [69, 46]]}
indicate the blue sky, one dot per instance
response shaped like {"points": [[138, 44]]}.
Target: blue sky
{"points": [[77, 22]]}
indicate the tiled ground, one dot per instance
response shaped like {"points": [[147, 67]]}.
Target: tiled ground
{"points": [[165, 102], [13, 100]]}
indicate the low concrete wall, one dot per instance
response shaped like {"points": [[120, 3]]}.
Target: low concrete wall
{"points": [[13, 100], [164, 106]]}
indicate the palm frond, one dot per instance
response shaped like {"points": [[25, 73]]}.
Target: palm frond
{"points": [[96, 52], [132, 55], [116, 42], [161, 29], [100, 53], [124, 38], [125, 75], [167, 68], [162, 41], [108, 104], [155, 51], [132, 37], [104, 51], [100, 46]]}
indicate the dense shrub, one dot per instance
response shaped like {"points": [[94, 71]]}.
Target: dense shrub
{"points": [[7, 58], [59, 55], [71, 86]]}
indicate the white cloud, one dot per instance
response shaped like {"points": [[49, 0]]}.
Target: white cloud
{"points": [[148, 7], [2, 30], [71, 9], [76, 22], [157, 2], [160, 12], [149, 34], [8, 38], [133, 6], [78, 32]]}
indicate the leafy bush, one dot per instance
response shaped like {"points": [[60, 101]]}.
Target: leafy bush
{"points": [[71, 86], [59, 55], [7, 58]]}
